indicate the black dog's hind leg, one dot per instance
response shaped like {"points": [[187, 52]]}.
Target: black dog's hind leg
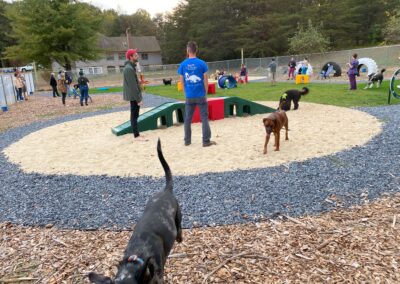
{"points": [[178, 224], [296, 103]]}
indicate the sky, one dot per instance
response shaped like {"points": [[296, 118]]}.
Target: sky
{"points": [[130, 6]]}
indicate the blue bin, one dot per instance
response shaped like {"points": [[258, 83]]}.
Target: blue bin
{"points": [[363, 70], [4, 108]]}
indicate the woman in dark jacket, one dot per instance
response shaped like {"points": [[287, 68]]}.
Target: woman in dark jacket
{"points": [[83, 87], [53, 84]]}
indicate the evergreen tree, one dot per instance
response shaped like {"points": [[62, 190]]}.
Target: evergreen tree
{"points": [[5, 30], [392, 29], [308, 40], [139, 24], [61, 30]]}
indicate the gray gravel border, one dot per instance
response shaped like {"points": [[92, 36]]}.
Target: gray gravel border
{"points": [[300, 188]]}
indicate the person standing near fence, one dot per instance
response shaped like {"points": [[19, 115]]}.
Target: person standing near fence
{"points": [[61, 86], [68, 81], [272, 67], [353, 72], [132, 91], [243, 74], [83, 83], [292, 68], [24, 88], [193, 76], [18, 84], [53, 84]]}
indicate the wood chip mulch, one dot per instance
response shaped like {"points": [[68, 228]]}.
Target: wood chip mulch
{"points": [[358, 245], [39, 108]]}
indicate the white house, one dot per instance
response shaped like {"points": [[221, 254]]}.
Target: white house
{"points": [[113, 59]]}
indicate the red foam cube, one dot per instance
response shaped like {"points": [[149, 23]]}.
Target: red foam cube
{"points": [[196, 115], [216, 108], [211, 88]]}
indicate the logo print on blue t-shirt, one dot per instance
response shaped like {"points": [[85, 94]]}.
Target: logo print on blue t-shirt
{"points": [[192, 78]]}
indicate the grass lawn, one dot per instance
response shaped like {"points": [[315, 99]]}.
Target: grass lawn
{"points": [[322, 93]]}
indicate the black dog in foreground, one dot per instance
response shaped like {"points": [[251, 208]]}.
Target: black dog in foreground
{"points": [[375, 78], [285, 102], [167, 81], [152, 239]]}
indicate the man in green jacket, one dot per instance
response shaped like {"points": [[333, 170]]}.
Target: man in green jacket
{"points": [[132, 91]]}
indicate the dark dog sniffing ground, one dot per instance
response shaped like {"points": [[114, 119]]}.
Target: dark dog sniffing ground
{"points": [[375, 79], [274, 123], [167, 81], [152, 239], [285, 101]]}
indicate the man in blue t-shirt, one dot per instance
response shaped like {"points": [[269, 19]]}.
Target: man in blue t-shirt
{"points": [[193, 76]]}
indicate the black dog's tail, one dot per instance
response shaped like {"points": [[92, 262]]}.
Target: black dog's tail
{"points": [[383, 70], [167, 170], [304, 91]]}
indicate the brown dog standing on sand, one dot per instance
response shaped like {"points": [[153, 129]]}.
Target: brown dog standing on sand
{"points": [[274, 123]]}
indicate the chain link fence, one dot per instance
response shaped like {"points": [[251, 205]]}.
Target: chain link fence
{"points": [[385, 57]]}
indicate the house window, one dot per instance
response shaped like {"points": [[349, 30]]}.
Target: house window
{"points": [[111, 69], [110, 57], [121, 56], [145, 56], [95, 70]]}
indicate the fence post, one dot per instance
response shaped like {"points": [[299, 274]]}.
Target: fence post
{"points": [[14, 89], [4, 90]]}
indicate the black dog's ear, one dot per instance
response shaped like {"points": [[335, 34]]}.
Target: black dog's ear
{"points": [[99, 279]]}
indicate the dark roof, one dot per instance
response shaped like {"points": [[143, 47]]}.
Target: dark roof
{"points": [[142, 43]]}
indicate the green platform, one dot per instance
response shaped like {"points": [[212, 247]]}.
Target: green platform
{"points": [[166, 111], [148, 120], [244, 107]]}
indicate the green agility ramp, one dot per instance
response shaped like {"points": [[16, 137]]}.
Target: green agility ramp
{"points": [[244, 107], [165, 112], [148, 120]]}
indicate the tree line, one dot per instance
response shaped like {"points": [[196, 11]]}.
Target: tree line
{"points": [[64, 30]]}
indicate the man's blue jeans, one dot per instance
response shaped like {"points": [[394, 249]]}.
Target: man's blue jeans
{"points": [[84, 93], [190, 106]]}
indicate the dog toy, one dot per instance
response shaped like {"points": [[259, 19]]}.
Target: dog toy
{"points": [[134, 258]]}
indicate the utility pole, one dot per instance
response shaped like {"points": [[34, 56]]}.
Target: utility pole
{"points": [[127, 37]]}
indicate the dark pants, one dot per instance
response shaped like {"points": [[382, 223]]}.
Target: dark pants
{"points": [[134, 118], [190, 107], [64, 95], [291, 72], [55, 92], [84, 93], [19, 94], [353, 82]]}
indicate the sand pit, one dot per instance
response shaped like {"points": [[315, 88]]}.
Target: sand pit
{"points": [[87, 146]]}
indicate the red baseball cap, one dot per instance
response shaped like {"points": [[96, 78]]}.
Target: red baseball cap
{"points": [[130, 52]]}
